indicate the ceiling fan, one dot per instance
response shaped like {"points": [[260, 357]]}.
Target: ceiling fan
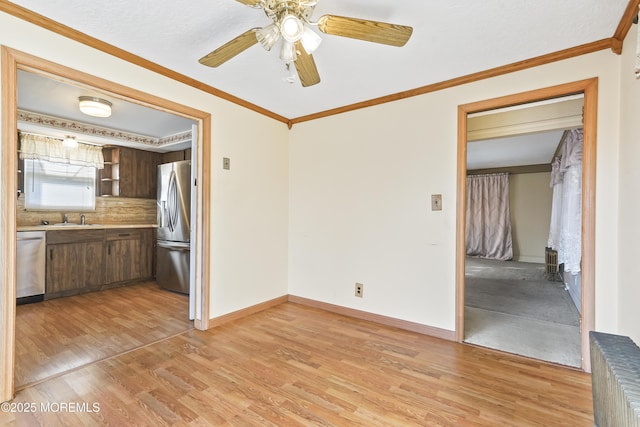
{"points": [[291, 25]]}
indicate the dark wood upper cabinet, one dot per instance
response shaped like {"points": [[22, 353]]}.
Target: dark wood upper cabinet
{"points": [[138, 173], [146, 174], [176, 156]]}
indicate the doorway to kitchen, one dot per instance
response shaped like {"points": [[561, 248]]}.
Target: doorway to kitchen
{"points": [[12, 62], [463, 267]]}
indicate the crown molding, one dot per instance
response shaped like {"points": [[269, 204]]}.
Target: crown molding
{"points": [[614, 43], [65, 31], [630, 13]]}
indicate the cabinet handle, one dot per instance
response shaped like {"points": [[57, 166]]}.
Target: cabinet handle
{"points": [[109, 249], [124, 234]]}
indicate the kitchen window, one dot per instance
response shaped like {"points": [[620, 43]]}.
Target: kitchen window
{"points": [[58, 177], [60, 187]]}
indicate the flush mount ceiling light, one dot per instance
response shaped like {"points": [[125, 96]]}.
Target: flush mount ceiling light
{"points": [[70, 142], [292, 20], [96, 107]]}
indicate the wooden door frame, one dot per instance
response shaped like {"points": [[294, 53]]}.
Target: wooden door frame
{"points": [[12, 61], [589, 88]]}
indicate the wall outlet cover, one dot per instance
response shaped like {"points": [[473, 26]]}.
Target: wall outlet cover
{"points": [[359, 290]]}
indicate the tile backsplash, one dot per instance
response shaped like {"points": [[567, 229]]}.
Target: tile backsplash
{"points": [[109, 210]]}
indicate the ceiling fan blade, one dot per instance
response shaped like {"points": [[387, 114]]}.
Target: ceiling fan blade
{"points": [[371, 31], [306, 67], [251, 3], [230, 49]]}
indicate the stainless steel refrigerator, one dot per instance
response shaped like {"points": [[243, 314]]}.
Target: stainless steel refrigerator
{"points": [[174, 216]]}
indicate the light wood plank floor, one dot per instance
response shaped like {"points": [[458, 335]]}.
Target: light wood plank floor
{"points": [[55, 336], [299, 366]]}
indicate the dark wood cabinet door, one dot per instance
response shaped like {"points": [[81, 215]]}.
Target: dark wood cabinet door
{"points": [[127, 172], [123, 260], [146, 174], [63, 263], [129, 255], [138, 173], [93, 263], [74, 266]]}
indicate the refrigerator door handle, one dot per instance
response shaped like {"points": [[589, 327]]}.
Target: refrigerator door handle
{"points": [[162, 209], [176, 246], [172, 199]]}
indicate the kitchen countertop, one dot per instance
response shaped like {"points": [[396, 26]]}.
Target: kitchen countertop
{"points": [[81, 227]]}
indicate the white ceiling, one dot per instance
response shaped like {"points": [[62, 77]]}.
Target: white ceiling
{"points": [[450, 39], [521, 135], [40, 94], [521, 150]]}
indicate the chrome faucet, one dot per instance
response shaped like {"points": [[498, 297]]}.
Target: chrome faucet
{"points": [[65, 219], [82, 219]]}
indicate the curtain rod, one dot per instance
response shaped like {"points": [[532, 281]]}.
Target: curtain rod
{"points": [[39, 134], [56, 137]]}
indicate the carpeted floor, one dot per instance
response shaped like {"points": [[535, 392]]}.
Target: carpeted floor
{"points": [[510, 306], [537, 299]]}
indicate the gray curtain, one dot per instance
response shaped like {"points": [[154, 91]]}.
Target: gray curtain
{"points": [[488, 228]]}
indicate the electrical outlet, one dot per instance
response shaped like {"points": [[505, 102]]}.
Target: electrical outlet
{"points": [[436, 202], [359, 290]]}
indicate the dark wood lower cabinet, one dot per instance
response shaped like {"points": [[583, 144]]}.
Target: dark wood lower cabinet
{"points": [[129, 254], [74, 260], [85, 260]]}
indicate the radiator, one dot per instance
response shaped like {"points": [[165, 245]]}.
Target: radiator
{"points": [[552, 269], [615, 378]]}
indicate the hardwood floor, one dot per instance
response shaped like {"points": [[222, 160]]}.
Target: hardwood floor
{"points": [[55, 336], [296, 365]]}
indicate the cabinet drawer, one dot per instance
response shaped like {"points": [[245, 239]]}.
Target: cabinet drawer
{"points": [[123, 234], [74, 236]]}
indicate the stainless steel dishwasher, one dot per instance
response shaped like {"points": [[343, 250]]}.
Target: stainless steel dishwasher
{"points": [[30, 257]]}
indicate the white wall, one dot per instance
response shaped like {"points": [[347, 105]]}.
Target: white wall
{"points": [[530, 200], [357, 189], [359, 198], [628, 225], [249, 202]]}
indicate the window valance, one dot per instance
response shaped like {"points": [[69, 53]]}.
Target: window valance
{"points": [[53, 150]]}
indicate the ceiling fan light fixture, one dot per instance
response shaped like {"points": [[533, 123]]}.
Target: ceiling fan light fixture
{"points": [[310, 40], [96, 107], [291, 28], [268, 36], [288, 51]]}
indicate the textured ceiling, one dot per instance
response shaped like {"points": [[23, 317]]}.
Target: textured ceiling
{"points": [[450, 39]]}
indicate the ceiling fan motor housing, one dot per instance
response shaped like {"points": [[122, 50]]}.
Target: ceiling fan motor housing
{"points": [[276, 10]]}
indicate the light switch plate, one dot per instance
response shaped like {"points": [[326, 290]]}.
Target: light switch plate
{"points": [[226, 163], [436, 202]]}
